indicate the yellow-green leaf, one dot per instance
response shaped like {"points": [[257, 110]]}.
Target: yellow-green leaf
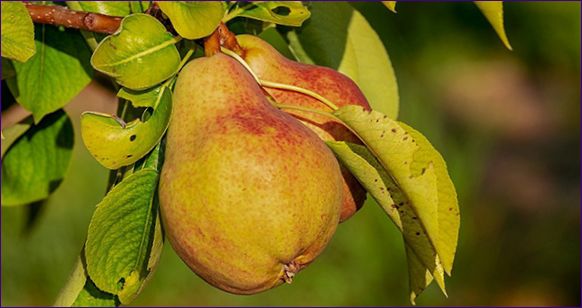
{"points": [[395, 149], [286, 13], [80, 291], [113, 8], [121, 236], [391, 5], [493, 11], [194, 19], [448, 207], [139, 55], [17, 32], [144, 98], [114, 145], [378, 182], [419, 276]]}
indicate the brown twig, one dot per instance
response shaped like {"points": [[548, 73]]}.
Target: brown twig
{"points": [[61, 16]]}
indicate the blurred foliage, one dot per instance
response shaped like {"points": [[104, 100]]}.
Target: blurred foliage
{"points": [[507, 124]]}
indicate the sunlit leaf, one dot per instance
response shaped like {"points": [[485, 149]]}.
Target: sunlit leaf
{"points": [[448, 207], [114, 145], [339, 37], [56, 73], [140, 55], [111, 8], [391, 5], [17, 32], [121, 236], [12, 133], [35, 164], [143, 98], [378, 182], [287, 13], [419, 173], [80, 291], [114, 8], [493, 11], [195, 19]]}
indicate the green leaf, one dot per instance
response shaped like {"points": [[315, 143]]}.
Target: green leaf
{"points": [[391, 5], [7, 69], [13, 132], [493, 11], [144, 98], [286, 13], [419, 173], [379, 183], [111, 8], [194, 20], [419, 277], [91, 296], [114, 8], [56, 73], [339, 37], [122, 236], [139, 6], [17, 32], [35, 164], [80, 291], [114, 144], [140, 55]]}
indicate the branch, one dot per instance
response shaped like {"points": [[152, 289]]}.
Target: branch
{"points": [[61, 16]]}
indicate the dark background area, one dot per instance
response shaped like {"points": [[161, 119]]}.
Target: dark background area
{"points": [[507, 123]]}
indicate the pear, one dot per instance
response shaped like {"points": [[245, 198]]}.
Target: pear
{"points": [[249, 196], [269, 64]]}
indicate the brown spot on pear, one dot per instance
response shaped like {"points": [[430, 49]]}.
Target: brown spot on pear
{"points": [[270, 65], [249, 196]]}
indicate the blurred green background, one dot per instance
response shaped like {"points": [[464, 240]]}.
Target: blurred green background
{"points": [[506, 122]]}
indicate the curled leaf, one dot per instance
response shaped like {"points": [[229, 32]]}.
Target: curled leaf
{"points": [[144, 98], [139, 55], [115, 145], [286, 13], [193, 19]]}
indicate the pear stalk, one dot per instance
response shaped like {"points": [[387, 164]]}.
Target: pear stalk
{"points": [[277, 85]]}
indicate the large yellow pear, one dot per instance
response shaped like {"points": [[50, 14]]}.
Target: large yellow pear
{"points": [[248, 194], [270, 65]]}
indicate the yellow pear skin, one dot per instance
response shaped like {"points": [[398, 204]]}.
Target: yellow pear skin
{"points": [[249, 196], [270, 65]]}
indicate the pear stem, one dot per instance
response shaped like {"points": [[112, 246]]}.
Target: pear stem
{"points": [[241, 61], [305, 109], [276, 85], [282, 86]]}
